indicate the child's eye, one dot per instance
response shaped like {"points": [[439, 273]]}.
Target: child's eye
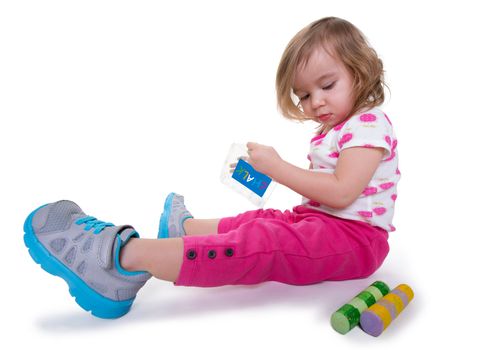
{"points": [[329, 87], [305, 97]]}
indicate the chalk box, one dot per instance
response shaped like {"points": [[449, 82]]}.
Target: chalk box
{"points": [[244, 179]]}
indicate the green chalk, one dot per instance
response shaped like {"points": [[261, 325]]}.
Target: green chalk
{"points": [[345, 319], [347, 316]]}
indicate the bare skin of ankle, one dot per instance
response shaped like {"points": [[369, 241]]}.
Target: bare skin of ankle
{"points": [[160, 257], [198, 227]]}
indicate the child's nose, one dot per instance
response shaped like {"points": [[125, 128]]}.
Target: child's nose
{"points": [[317, 100]]}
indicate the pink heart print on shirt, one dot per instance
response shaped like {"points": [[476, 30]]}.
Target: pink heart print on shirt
{"points": [[367, 118], [393, 145], [369, 214], [318, 139], [379, 210], [365, 213], [339, 126], [370, 190], [346, 138], [386, 185], [333, 155], [388, 140]]}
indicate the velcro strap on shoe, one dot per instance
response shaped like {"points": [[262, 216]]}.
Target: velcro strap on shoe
{"points": [[127, 233], [107, 241]]}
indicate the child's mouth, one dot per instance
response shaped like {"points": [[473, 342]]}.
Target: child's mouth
{"points": [[324, 117]]}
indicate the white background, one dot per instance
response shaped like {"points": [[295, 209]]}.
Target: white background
{"points": [[114, 104]]}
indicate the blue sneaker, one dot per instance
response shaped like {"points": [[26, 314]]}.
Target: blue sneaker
{"points": [[84, 252], [173, 217]]}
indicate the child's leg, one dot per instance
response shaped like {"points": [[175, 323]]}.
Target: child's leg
{"points": [[312, 250], [197, 227], [161, 257]]}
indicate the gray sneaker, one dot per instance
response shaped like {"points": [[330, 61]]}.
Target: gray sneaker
{"points": [[84, 252], [173, 216]]}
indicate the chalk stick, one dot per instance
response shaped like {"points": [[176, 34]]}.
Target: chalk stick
{"points": [[379, 316], [348, 316]]}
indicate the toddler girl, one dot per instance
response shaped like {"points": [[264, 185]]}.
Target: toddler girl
{"points": [[328, 74]]}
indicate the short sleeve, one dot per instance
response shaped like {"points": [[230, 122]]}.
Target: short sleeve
{"points": [[370, 129]]}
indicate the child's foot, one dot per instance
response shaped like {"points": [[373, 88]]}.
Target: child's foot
{"points": [[85, 252], [173, 217]]}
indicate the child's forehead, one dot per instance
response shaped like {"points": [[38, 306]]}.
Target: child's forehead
{"points": [[318, 59], [319, 64]]}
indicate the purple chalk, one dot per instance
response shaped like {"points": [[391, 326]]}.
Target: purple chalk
{"points": [[390, 306], [371, 323], [402, 295]]}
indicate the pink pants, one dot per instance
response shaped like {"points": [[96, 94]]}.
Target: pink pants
{"points": [[297, 247]]}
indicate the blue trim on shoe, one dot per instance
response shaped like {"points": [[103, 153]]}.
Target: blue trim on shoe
{"points": [[165, 216], [85, 296]]}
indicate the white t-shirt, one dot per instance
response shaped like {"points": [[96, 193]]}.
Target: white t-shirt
{"points": [[370, 128]]}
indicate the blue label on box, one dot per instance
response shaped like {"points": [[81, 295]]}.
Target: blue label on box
{"points": [[245, 174]]}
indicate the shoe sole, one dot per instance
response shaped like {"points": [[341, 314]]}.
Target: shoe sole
{"points": [[163, 231], [85, 296]]}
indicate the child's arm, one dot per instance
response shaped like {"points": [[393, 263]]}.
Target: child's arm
{"points": [[354, 170]]}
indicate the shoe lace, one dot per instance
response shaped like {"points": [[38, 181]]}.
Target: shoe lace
{"points": [[92, 222]]}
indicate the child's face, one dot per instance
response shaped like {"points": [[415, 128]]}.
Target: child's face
{"points": [[324, 87]]}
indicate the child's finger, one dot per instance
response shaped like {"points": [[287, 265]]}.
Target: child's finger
{"points": [[233, 167]]}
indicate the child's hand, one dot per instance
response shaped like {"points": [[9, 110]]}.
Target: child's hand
{"points": [[263, 158]]}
